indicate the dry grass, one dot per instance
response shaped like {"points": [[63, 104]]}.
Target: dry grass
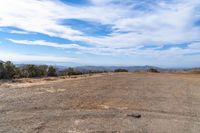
{"points": [[167, 102]]}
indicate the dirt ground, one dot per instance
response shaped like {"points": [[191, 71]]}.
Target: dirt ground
{"points": [[167, 103]]}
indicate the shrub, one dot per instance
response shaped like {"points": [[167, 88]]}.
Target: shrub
{"points": [[51, 71], [30, 71], [121, 70], [42, 70], [153, 70], [69, 72], [9, 70], [1, 69]]}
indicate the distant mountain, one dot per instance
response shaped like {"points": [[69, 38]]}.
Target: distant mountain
{"points": [[112, 68], [61, 66]]}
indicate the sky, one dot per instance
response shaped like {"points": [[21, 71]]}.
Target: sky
{"points": [[164, 33]]}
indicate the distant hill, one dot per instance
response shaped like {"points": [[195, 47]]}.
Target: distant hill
{"points": [[194, 70], [112, 68]]}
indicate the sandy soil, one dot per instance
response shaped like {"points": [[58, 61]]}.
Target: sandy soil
{"points": [[167, 103]]}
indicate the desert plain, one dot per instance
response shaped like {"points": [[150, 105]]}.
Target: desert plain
{"points": [[166, 103]]}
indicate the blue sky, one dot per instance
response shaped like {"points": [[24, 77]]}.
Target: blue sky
{"points": [[163, 33]]}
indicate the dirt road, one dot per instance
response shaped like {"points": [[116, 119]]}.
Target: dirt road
{"points": [[167, 103]]}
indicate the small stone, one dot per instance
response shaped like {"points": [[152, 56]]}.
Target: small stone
{"points": [[135, 115]]}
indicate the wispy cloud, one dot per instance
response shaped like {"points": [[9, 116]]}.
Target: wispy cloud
{"points": [[168, 22], [45, 43], [19, 57], [93, 50], [153, 52], [19, 32]]}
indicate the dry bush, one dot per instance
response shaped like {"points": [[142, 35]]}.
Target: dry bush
{"points": [[153, 70]]}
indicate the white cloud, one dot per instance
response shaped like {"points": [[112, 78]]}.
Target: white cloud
{"points": [[153, 52], [18, 57], [195, 45], [93, 50], [45, 43], [169, 22], [187, 57], [35, 16], [19, 32]]}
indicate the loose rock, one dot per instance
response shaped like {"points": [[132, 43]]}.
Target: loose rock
{"points": [[135, 115]]}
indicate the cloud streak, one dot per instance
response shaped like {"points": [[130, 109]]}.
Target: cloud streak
{"points": [[19, 57], [153, 52]]}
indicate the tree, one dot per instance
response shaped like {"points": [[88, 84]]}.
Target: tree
{"points": [[30, 71], [72, 71], [1, 69], [42, 70], [9, 70], [23, 72], [18, 73], [51, 71]]}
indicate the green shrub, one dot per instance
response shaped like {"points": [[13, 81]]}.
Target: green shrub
{"points": [[153, 70], [121, 70], [51, 71]]}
